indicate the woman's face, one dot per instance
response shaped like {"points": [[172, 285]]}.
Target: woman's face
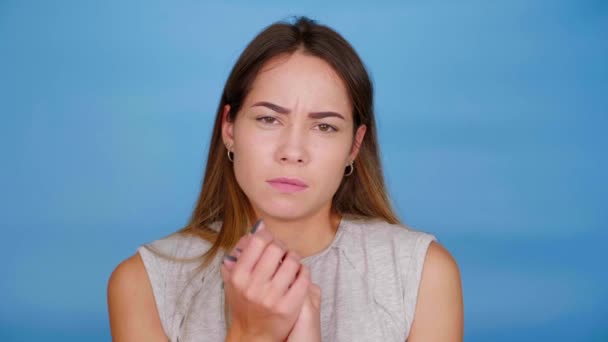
{"points": [[293, 137]]}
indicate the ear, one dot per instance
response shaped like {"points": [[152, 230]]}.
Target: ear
{"points": [[227, 127], [359, 135]]}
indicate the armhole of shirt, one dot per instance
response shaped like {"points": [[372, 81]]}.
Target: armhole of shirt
{"points": [[414, 275], [157, 282]]}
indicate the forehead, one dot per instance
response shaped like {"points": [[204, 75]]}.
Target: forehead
{"points": [[300, 80]]}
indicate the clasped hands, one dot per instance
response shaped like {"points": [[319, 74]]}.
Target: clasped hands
{"points": [[269, 291]]}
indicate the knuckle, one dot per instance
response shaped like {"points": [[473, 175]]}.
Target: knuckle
{"points": [[279, 243], [235, 279], [293, 256], [275, 249], [249, 294], [291, 263], [264, 235], [258, 241], [268, 304]]}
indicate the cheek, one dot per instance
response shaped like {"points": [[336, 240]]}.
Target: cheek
{"points": [[327, 164], [252, 156]]}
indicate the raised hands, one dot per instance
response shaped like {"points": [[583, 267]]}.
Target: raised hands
{"points": [[269, 291]]}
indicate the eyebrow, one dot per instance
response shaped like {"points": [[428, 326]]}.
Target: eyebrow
{"points": [[282, 110]]}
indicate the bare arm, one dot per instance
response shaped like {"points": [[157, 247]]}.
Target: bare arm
{"points": [[439, 309], [133, 312]]}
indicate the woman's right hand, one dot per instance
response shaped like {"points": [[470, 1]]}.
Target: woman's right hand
{"points": [[265, 288]]}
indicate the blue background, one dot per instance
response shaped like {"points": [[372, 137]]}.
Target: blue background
{"points": [[492, 119]]}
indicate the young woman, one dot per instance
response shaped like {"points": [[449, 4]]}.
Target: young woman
{"points": [[293, 237]]}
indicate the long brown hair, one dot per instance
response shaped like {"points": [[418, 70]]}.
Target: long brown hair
{"points": [[362, 194]]}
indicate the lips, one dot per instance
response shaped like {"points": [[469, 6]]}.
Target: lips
{"points": [[292, 181], [284, 184]]}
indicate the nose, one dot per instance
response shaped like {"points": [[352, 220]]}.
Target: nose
{"points": [[292, 146]]}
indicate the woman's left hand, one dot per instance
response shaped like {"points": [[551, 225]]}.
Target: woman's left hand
{"points": [[308, 324]]}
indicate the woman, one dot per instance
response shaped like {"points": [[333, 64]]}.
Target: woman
{"points": [[293, 155]]}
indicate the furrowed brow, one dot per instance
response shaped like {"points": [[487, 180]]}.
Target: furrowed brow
{"points": [[282, 110]]}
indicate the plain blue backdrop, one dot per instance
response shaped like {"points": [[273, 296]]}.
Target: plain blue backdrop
{"points": [[492, 118]]}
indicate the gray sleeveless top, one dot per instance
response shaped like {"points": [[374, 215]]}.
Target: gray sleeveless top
{"points": [[369, 277]]}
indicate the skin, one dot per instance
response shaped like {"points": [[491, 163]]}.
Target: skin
{"points": [[274, 301], [268, 144]]}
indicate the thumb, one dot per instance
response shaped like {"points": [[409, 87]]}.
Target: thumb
{"points": [[314, 294]]}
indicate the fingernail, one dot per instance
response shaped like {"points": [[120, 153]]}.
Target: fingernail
{"points": [[230, 257], [256, 226]]}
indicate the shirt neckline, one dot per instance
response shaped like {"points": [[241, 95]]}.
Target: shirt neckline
{"points": [[333, 243]]}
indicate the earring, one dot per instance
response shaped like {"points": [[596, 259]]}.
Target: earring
{"points": [[351, 170], [228, 153]]}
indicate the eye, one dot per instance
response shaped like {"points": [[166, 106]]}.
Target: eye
{"points": [[266, 120], [326, 128]]}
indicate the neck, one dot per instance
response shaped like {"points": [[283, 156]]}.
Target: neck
{"points": [[307, 236]]}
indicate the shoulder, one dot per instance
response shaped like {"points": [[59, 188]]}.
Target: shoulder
{"points": [[400, 257], [141, 289], [128, 275], [379, 236], [131, 305], [172, 257], [389, 249], [439, 308], [177, 246], [440, 265], [129, 269]]}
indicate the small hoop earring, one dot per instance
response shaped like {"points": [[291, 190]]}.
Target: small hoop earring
{"points": [[351, 170], [228, 153]]}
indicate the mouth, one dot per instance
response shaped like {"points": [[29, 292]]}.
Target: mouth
{"points": [[289, 185]]}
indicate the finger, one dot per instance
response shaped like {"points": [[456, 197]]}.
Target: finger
{"points": [[229, 262], [268, 264], [241, 245], [284, 247], [243, 242], [315, 294], [280, 243], [231, 259], [285, 276], [249, 256], [296, 294], [314, 290]]}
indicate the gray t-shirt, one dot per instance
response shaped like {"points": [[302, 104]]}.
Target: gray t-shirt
{"points": [[369, 277]]}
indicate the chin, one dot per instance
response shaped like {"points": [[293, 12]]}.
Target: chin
{"points": [[283, 209]]}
